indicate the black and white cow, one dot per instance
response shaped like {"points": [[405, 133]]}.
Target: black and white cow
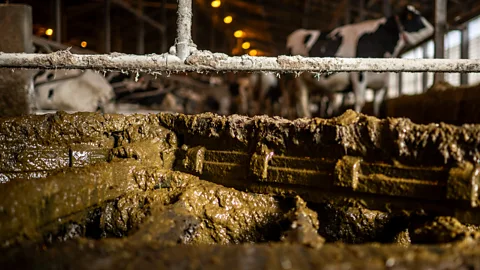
{"points": [[73, 90], [380, 38]]}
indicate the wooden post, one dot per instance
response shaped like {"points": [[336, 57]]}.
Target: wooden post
{"points": [[16, 86], [108, 30], [440, 30], [464, 51]]}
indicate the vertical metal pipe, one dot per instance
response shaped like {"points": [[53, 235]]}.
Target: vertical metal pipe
{"points": [[464, 51], [184, 28], [424, 74], [164, 22], [141, 30], [108, 36], [440, 29], [58, 21], [400, 83]]}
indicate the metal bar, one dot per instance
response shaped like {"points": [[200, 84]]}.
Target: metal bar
{"points": [[184, 28], [58, 22], [108, 29], [400, 84], [208, 61], [425, 74], [145, 18], [440, 29], [464, 51]]}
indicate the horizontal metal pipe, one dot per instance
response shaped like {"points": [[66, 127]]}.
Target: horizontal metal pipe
{"points": [[207, 61]]}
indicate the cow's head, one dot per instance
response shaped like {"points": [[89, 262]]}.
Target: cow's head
{"points": [[301, 41], [415, 27]]}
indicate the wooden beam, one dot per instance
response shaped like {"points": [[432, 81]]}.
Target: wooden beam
{"points": [[149, 4], [145, 18]]}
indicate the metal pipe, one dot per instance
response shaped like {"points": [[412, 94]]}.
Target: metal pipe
{"points": [[58, 21], [208, 61], [108, 30], [464, 51], [400, 84], [425, 74], [184, 28], [440, 29]]}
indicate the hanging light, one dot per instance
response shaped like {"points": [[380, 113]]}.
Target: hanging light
{"points": [[49, 32], [246, 45], [238, 33], [83, 44], [228, 19], [216, 3], [253, 52]]}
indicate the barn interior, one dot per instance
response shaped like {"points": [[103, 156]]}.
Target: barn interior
{"points": [[125, 167]]}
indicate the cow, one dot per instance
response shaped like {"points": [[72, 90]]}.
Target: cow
{"points": [[73, 90], [255, 93], [175, 93], [379, 38]]}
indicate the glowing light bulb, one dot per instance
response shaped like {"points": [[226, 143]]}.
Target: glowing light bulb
{"points": [[83, 44], [253, 52], [216, 3], [49, 32], [238, 33], [246, 45], [228, 19]]}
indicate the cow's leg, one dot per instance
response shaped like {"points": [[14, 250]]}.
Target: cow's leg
{"points": [[359, 88], [378, 99], [303, 109]]}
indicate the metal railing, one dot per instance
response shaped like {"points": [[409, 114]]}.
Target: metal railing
{"points": [[184, 57]]}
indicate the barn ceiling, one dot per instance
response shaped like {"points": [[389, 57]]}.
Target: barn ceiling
{"points": [[266, 23]]}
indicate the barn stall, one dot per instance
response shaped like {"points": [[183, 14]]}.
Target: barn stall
{"points": [[99, 190]]}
